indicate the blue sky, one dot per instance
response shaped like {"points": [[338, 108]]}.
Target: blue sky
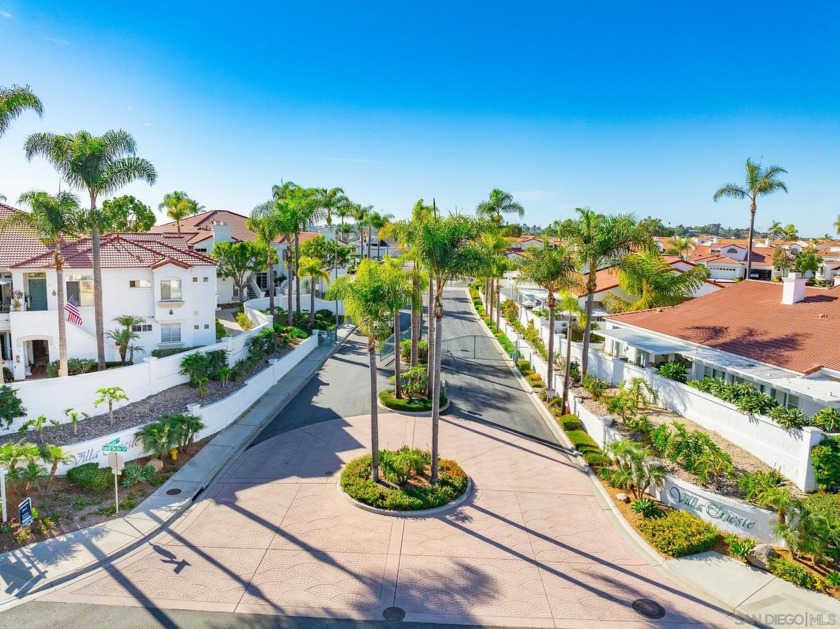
{"points": [[622, 107]]}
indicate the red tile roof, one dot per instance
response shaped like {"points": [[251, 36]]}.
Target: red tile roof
{"points": [[125, 250], [748, 319], [16, 246], [200, 226]]}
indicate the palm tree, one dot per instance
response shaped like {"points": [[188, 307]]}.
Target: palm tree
{"points": [[14, 101], [365, 298], [109, 396], [125, 337], [679, 246], [55, 456], [570, 305], [398, 294], [267, 229], [378, 221], [313, 268], [333, 202], [448, 250], [158, 438], [178, 205], [759, 182], [99, 165], [650, 282], [837, 224], [493, 246], [553, 270], [54, 219], [776, 230], [499, 203], [789, 232], [362, 215], [598, 241], [637, 471]]}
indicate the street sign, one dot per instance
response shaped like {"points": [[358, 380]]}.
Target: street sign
{"points": [[114, 446], [25, 512], [116, 462]]}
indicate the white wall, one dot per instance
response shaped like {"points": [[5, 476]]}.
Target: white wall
{"points": [[216, 416]]}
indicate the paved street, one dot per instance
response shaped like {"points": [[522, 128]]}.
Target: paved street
{"points": [[273, 537]]}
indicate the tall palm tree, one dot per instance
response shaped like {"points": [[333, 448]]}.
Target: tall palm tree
{"points": [[263, 222], [99, 165], [776, 230], [493, 246], [54, 219], [365, 300], [14, 101], [448, 250], [569, 304], [313, 268], [334, 202], [378, 221], [178, 205], [759, 182], [650, 282], [499, 203], [554, 270], [362, 215], [598, 241], [399, 292]]}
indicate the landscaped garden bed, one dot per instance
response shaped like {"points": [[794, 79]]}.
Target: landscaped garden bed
{"points": [[405, 481]]}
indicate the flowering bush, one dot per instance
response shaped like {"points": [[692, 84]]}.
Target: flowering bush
{"points": [[679, 533]]}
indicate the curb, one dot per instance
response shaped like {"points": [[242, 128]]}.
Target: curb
{"points": [[381, 406], [189, 501], [421, 513], [622, 526]]}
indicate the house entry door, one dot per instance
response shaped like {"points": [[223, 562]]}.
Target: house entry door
{"points": [[37, 293]]}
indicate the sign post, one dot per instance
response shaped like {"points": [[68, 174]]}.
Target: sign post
{"points": [[25, 512], [116, 462], [3, 493]]}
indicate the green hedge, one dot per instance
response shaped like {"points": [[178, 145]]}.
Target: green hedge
{"points": [[410, 405], [679, 533], [583, 442], [171, 351], [92, 477], [570, 422]]}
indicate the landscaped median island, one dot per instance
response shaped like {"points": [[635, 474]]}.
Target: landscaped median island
{"points": [[405, 481]]}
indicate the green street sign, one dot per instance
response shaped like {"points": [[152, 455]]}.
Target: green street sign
{"points": [[114, 446]]}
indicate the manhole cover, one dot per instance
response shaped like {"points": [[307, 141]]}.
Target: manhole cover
{"points": [[394, 613], [173, 492], [648, 608]]}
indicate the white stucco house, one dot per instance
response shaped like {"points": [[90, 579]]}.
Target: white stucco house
{"points": [[153, 276]]}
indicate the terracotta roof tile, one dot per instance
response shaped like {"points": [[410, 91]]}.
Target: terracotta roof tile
{"points": [[16, 246], [748, 319]]}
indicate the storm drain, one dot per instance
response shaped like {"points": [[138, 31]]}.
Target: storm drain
{"points": [[173, 492], [393, 614], [648, 608]]}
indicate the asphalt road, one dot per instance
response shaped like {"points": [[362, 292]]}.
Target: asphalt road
{"points": [[480, 390]]}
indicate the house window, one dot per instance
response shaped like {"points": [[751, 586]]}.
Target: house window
{"points": [[195, 279], [170, 332], [170, 290], [140, 284], [262, 280], [142, 327], [792, 401], [80, 289], [206, 326], [206, 279]]}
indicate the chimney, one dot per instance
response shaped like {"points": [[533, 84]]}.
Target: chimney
{"points": [[221, 232], [793, 289], [715, 240]]}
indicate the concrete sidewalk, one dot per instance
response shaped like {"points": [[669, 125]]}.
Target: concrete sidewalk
{"points": [[45, 564]]}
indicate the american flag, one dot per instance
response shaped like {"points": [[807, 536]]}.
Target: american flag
{"points": [[72, 313]]}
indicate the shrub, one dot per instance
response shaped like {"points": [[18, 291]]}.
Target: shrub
{"points": [[422, 351], [356, 482], [825, 457], [583, 442], [204, 365], [221, 332], [827, 419], [244, 321], [570, 422], [674, 371], [739, 547], [753, 484], [555, 404], [695, 451], [646, 508], [91, 477], [595, 459], [510, 310], [833, 579], [594, 386], [788, 418], [535, 380], [75, 366], [679, 533], [524, 366], [796, 574], [10, 406], [409, 405], [133, 474], [574, 370], [640, 424], [171, 351], [636, 471], [397, 467]]}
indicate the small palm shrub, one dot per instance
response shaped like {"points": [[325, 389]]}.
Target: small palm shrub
{"points": [[398, 466], [204, 365], [833, 579], [693, 450], [827, 419], [679, 533], [646, 508], [788, 418], [636, 470], [594, 386], [754, 484], [739, 547], [674, 371]]}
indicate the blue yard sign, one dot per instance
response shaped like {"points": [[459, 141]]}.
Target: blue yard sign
{"points": [[25, 512]]}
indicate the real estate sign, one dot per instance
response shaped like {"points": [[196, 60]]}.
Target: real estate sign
{"points": [[727, 514]]}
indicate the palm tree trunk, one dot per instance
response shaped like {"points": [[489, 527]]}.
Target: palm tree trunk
{"points": [[397, 357], [430, 362], [488, 300], [552, 303], [436, 387], [297, 276], [568, 366], [62, 322], [750, 239], [312, 302], [374, 412], [498, 304], [590, 303], [270, 285], [99, 318], [415, 298], [289, 284]]}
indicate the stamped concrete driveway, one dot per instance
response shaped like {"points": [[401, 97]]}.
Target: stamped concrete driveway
{"points": [[531, 547]]}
